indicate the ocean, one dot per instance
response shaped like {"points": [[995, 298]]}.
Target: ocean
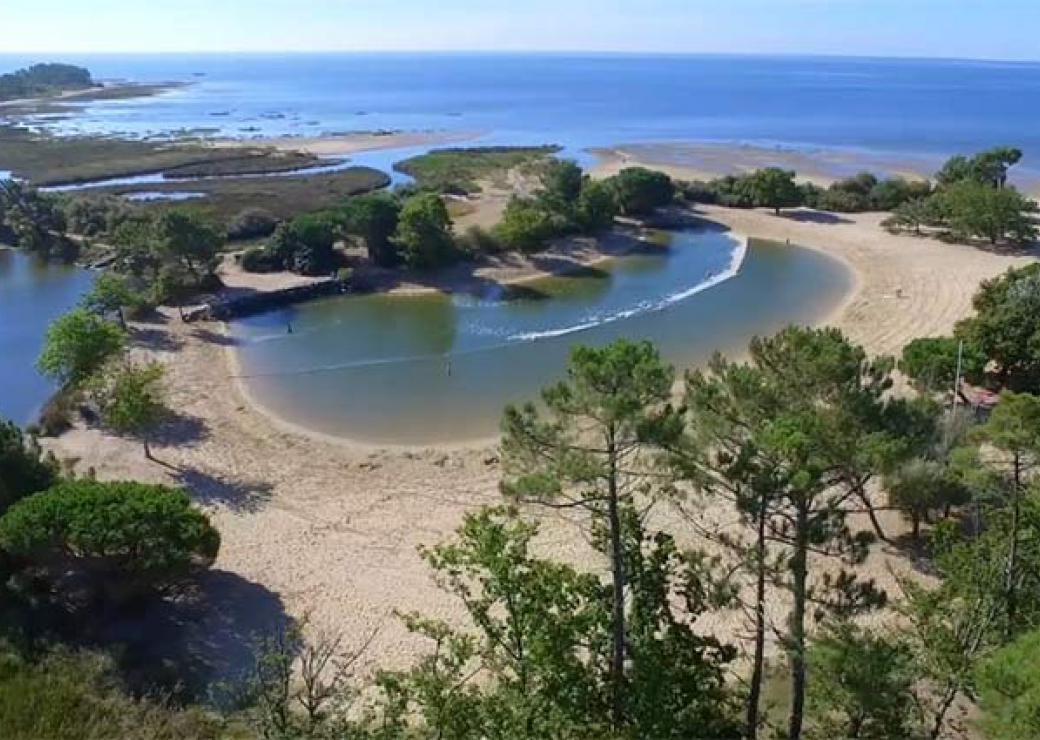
{"points": [[929, 108]]}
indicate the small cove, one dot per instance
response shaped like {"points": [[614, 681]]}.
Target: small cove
{"points": [[430, 369]]}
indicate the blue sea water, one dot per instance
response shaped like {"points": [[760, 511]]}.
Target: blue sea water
{"points": [[924, 107]]}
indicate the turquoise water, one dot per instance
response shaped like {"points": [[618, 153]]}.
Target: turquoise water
{"points": [[417, 370], [32, 294]]}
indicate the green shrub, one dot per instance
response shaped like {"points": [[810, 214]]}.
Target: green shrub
{"points": [[77, 696], [478, 240], [117, 540], [251, 223], [524, 226], [1009, 690], [640, 191], [24, 469], [260, 259]]}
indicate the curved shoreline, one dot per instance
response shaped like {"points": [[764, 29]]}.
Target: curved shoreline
{"points": [[294, 508], [741, 253]]}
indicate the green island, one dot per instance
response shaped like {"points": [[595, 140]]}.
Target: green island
{"points": [[41, 80]]}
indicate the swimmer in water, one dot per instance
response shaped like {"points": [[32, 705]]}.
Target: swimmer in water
{"points": [[447, 368], [288, 327]]}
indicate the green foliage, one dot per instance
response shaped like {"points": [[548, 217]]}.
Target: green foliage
{"points": [[913, 214], [374, 219], [304, 245], [424, 232], [611, 408], [251, 223], [43, 79], [989, 168], [33, 221], [23, 467], [562, 182], [77, 345], [862, 687], [525, 226], [597, 207], [1006, 326], [775, 188], [1008, 683], [640, 192], [977, 211], [95, 216], [931, 363], [113, 293], [122, 540], [189, 238], [921, 487], [542, 639], [457, 171], [65, 695], [129, 397], [792, 440]]}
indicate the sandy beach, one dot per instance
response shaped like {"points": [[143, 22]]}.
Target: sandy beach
{"points": [[329, 529], [353, 143]]}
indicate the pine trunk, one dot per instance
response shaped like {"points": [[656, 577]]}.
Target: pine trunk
{"points": [[758, 660], [617, 557], [796, 646]]}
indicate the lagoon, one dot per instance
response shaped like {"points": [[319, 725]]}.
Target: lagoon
{"points": [[436, 368], [32, 294]]}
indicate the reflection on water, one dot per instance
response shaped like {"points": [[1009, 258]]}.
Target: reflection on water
{"points": [[32, 294], [417, 370]]}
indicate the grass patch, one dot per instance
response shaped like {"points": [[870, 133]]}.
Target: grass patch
{"points": [[51, 160], [458, 170], [282, 197]]}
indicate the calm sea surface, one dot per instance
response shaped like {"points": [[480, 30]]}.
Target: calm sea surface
{"points": [[894, 106], [425, 369]]}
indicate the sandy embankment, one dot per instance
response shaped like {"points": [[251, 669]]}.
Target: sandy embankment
{"points": [[354, 142], [332, 528]]}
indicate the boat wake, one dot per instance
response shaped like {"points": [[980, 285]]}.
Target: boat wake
{"points": [[643, 307]]}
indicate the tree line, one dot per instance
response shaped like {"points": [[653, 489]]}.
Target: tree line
{"points": [[970, 198]]}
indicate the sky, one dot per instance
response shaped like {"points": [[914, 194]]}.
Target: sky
{"points": [[975, 29]]}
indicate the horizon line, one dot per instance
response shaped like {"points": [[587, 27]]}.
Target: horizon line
{"points": [[533, 52]]}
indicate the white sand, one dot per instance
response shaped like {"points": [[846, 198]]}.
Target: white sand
{"points": [[332, 528]]}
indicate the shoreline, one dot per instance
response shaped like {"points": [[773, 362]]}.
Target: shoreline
{"points": [[292, 508], [533, 275]]}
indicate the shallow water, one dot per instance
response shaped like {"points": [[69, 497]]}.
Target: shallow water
{"points": [[419, 370], [577, 101], [32, 294]]}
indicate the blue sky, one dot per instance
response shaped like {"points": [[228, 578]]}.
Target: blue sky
{"points": [[987, 29]]}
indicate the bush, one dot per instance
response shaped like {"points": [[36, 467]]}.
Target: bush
{"points": [[640, 191], [260, 259], [77, 696], [597, 207], [23, 467], [478, 240], [1009, 690], [251, 223], [424, 232], [524, 226], [305, 244], [117, 540]]}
